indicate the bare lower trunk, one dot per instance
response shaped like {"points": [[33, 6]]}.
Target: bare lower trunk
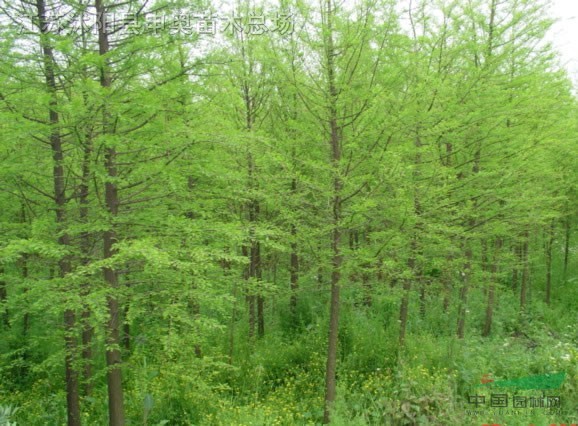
{"points": [[403, 310], [232, 324], [492, 290], [515, 269], [4, 300], [549, 249], [462, 310], [87, 333], [330, 372], [463, 302], [71, 375], [489, 310], [367, 288], [422, 298], [294, 262], [252, 315], [294, 271], [125, 329], [412, 261], [26, 316], [260, 299], [566, 245], [447, 286], [226, 272], [525, 272], [485, 265]]}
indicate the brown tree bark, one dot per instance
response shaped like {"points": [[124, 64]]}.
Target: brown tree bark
{"points": [[336, 262], [72, 387], [4, 300], [294, 269], [366, 284], [447, 283], [412, 261], [549, 249], [516, 268], [113, 354], [125, 336], [226, 272], [525, 271], [85, 248], [492, 290], [462, 310], [260, 298], [404, 307], [568, 229], [85, 237]]}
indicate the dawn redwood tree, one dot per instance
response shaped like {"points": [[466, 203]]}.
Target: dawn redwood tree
{"points": [[342, 97], [60, 196], [248, 79], [61, 199], [113, 340]]}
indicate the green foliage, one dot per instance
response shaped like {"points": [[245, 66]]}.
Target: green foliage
{"points": [[420, 159]]}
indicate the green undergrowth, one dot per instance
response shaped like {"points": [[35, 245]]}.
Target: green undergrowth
{"points": [[279, 379]]}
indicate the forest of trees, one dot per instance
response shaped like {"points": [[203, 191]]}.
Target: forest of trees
{"points": [[285, 213]]}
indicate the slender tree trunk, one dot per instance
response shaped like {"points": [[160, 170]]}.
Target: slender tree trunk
{"points": [[331, 368], [422, 297], [251, 299], [4, 300], [193, 302], [254, 299], [294, 272], [447, 292], [471, 222], [320, 279], [72, 388], [447, 284], [447, 274], [85, 247], [462, 311], [249, 296], [485, 265], [568, 229], [335, 145], [87, 333], [260, 298], [404, 307], [525, 272], [516, 267], [367, 288], [226, 271], [26, 317], [466, 273], [549, 249], [412, 262], [492, 290], [125, 337], [113, 354], [85, 236]]}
